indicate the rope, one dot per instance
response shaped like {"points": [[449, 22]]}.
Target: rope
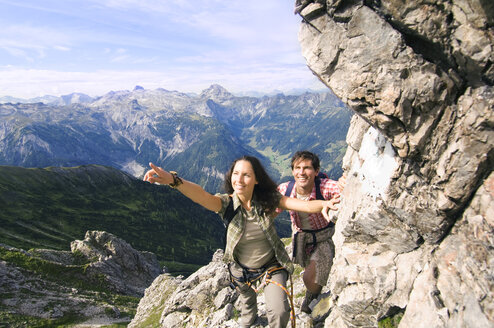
{"points": [[290, 297], [266, 279]]}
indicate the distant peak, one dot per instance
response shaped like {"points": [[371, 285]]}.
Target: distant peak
{"points": [[138, 87], [76, 97], [216, 91]]}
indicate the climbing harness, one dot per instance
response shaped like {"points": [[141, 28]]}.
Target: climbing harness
{"points": [[313, 233], [263, 276]]}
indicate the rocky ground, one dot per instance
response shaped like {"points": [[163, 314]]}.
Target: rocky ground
{"points": [[99, 282], [205, 300]]}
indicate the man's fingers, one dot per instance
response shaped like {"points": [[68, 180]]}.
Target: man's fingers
{"points": [[325, 213]]}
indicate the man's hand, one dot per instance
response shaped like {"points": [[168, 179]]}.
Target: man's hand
{"points": [[157, 174], [330, 205], [342, 182]]}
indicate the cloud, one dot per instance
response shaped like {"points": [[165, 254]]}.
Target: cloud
{"points": [[95, 46], [61, 48], [28, 83], [29, 37]]}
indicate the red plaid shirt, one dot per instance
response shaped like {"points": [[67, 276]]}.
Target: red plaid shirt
{"points": [[329, 188]]}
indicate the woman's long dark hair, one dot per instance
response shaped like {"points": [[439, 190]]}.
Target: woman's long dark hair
{"points": [[265, 191]]}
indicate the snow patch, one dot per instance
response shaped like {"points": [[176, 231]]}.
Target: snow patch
{"points": [[134, 168], [213, 172], [377, 163]]}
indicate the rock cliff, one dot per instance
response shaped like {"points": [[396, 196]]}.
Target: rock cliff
{"points": [[414, 233]]}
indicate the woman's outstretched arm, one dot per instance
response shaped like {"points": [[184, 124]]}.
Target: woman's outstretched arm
{"points": [[193, 191]]}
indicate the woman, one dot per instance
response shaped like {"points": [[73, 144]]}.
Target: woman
{"points": [[253, 246]]}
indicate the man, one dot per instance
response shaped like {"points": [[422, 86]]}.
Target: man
{"points": [[313, 248]]}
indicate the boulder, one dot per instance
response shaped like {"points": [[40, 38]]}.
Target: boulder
{"points": [[126, 270]]}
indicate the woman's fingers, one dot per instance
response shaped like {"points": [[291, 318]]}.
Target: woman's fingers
{"points": [[331, 205], [148, 175], [154, 167], [153, 174], [157, 174], [342, 182]]}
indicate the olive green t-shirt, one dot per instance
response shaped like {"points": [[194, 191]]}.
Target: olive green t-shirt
{"points": [[253, 249]]}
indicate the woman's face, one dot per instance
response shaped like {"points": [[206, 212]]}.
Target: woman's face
{"points": [[243, 178]]}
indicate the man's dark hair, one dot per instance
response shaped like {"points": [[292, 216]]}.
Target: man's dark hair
{"points": [[305, 154]]}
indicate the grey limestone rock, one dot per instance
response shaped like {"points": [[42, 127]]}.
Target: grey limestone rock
{"points": [[126, 270], [413, 231]]}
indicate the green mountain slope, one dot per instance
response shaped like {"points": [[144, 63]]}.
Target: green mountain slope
{"points": [[49, 208]]}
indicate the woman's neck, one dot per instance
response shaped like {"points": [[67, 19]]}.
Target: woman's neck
{"points": [[246, 201]]}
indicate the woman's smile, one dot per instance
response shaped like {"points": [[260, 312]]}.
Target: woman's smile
{"points": [[243, 178]]}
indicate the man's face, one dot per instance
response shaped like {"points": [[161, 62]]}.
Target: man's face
{"points": [[304, 173]]}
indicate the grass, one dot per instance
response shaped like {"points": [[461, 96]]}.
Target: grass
{"points": [[390, 322], [65, 276], [72, 275], [152, 318], [21, 321], [286, 241], [281, 162]]}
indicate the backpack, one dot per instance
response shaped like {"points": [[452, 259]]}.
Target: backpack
{"points": [[317, 182]]}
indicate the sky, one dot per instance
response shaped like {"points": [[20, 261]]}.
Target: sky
{"points": [[57, 47]]}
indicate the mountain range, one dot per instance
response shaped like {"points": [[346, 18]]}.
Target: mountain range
{"points": [[196, 135]]}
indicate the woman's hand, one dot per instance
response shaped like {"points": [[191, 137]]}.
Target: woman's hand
{"points": [[189, 189], [330, 205], [157, 174]]}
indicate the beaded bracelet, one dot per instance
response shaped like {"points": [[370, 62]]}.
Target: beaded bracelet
{"points": [[177, 181]]}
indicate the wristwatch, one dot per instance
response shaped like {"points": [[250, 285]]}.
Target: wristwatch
{"points": [[177, 181]]}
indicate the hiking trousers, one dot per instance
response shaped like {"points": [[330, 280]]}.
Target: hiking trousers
{"points": [[277, 305]]}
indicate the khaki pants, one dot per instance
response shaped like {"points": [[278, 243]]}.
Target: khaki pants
{"points": [[277, 305]]}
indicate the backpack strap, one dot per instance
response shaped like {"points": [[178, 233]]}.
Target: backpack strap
{"points": [[317, 182], [228, 217], [289, 188]]}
